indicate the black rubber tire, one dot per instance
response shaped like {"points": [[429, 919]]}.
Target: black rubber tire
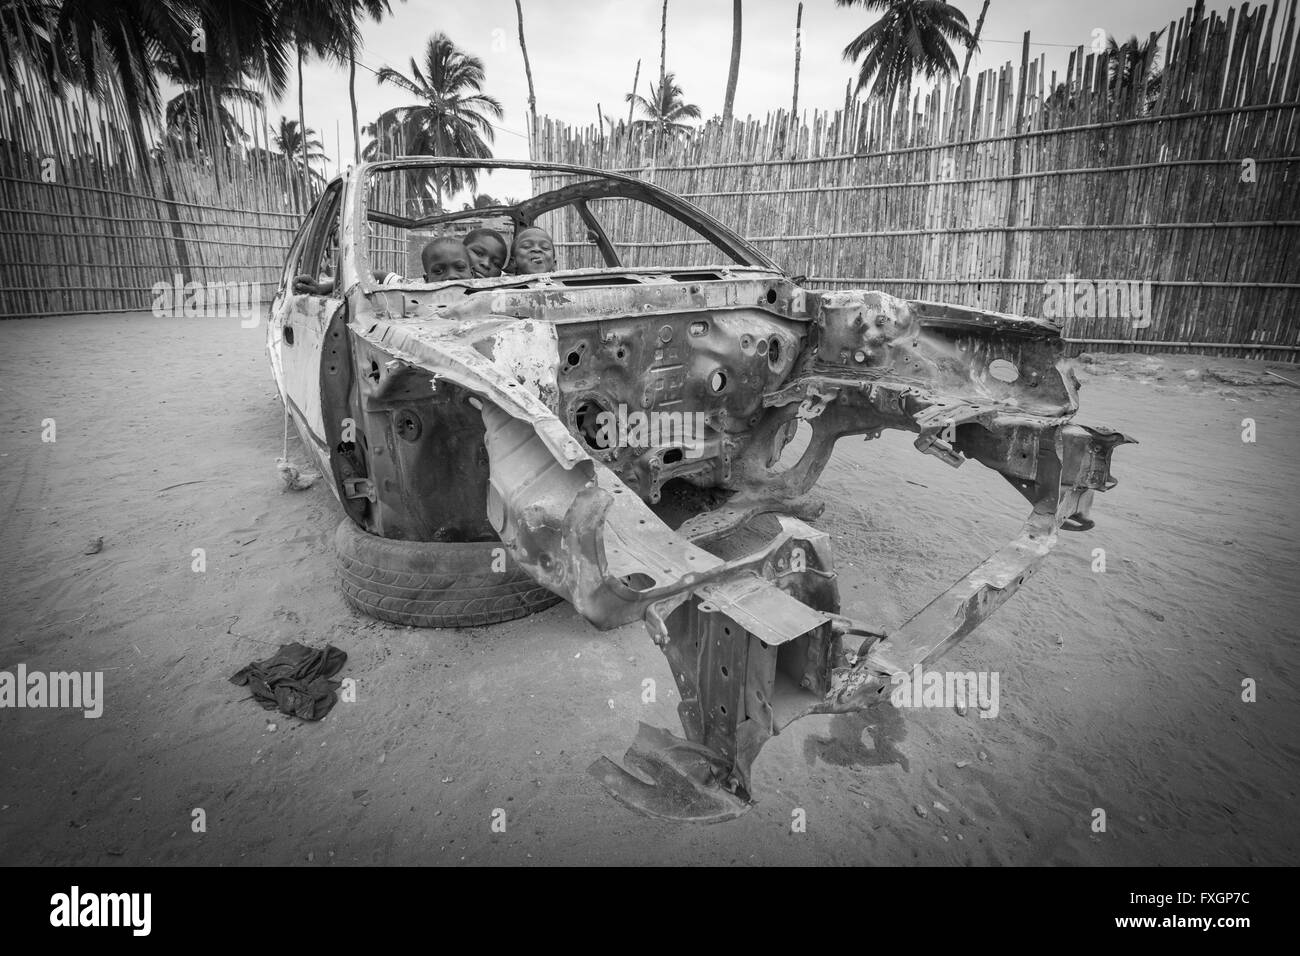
{"points": [[433, 584]]}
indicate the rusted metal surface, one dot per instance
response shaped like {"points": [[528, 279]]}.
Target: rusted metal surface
{"points": [[474, 413]]}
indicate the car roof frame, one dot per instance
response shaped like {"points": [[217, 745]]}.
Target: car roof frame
{"points": [[603, 184]]}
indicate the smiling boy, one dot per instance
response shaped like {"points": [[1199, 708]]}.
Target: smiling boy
{"points": [[533, 251]]}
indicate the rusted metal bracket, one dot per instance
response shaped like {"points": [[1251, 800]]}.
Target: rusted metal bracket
{"points": [[354, 488]]}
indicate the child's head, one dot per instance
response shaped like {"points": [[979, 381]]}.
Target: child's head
{"points": [[487, 252], [445, 259], [533, 251]]}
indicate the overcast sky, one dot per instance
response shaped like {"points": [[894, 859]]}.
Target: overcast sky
{"points": [[584, 52]]}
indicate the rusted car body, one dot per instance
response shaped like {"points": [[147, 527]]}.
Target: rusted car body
{"points": [[474, 402]]}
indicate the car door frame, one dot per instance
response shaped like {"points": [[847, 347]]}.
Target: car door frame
{"points": [[300, 323]]}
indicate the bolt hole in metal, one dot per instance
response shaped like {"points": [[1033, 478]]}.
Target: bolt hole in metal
{"points": [[586, 419], [717, 381], [573, 359]]}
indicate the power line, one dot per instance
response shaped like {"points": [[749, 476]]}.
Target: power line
{"points": [[1068, 46]]}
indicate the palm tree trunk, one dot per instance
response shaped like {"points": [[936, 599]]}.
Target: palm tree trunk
{"points": [[528, 72], [733, 72], [663, 72], [441, 171], [979, 25], [216, 131], [302, 128], [352, 96], [663, 45], [798, 50], [636, 77]]}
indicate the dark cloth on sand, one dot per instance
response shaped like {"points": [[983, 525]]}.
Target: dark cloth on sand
{"points": [[296, 681]]}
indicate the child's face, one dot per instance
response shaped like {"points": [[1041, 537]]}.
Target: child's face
{"points": [[487, 257], [447, 260], [534, 252]]}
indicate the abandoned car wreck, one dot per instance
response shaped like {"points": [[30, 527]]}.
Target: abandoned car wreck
{"points": [[465, 427]]}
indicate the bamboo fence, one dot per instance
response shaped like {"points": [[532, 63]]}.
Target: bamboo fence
{"points": [[991, 192], [997, 192], [92, 219]]}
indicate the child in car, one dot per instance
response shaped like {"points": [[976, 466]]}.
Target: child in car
{"points": [[446, 259], [443, 259], [533, 251], [488, 252]]}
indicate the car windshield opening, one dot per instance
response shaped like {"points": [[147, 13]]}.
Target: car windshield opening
{"points": [[428, 223]]}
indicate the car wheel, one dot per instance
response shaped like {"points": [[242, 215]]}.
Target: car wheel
{"points": [[434, 584]]}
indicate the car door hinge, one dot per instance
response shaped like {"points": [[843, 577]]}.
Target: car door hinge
{"points": [[359, 488]]}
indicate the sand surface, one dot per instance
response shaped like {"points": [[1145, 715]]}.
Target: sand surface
{"points": [[1118, 690]]}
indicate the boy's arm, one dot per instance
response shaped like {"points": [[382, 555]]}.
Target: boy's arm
{"points": [[309, 285]]}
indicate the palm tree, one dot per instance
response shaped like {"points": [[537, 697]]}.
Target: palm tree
{"points": [[93, 42], [289, 141], [198, 114], [376, 10], [248, 38], [95, 46], [259, 35], [451, 118], [322, 28], [244, 45], [665, 109], [481, 201], [389, 135], [1133, 66], [1064, 97], [911, 37]]}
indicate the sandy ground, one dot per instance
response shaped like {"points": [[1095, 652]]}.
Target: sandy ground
{"points": [[1119, 690]]}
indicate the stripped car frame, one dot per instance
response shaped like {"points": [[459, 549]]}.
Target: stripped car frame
{"points": [[474, 400]]}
